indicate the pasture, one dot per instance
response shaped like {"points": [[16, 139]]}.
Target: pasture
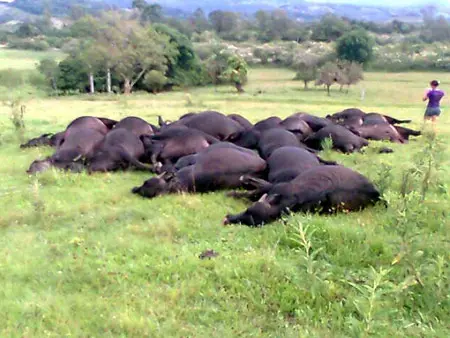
{"points": [[82, 256]]}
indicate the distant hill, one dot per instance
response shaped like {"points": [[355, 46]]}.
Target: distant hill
{"points": [[300, 9]]}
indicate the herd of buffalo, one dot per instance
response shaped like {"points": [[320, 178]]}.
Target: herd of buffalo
{"points": [[273, 163]]}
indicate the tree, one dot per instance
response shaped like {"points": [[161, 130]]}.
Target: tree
{"points": [[306, 67], [236, 72], [328, 75], [199, 21], [184, 67], [355, 46], [330, 28], [155, 80], [148, 13], [135, 50], [215, 66], [72, 75], [223, 22], [49, 68], [350, 73]]}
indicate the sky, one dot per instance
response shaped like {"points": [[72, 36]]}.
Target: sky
{"points": [[386, 3]]}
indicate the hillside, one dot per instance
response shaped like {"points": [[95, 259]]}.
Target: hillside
{"points": [[303, 10]]}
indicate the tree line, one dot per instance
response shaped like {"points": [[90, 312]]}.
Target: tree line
{"points": [[114, 52]]}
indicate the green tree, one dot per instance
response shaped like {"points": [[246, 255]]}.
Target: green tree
{"points": [[330, 28], [355, 46], [49, 68], [236, 72], [184, 67], [72, 75], [155, 80], [224, 22], [306, 68], [136, 50], [199, 20], [215, 66]]}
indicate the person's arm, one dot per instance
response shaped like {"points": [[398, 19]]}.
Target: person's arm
{"points": [[425, 96]]}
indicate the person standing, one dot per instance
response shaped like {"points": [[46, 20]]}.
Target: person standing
{"points": [[434, 96]]}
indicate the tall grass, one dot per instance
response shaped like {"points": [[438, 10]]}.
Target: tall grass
{"points": [[82, 256]]}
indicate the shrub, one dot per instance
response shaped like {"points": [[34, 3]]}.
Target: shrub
{"points": [[155, 80], [28, 44], [12, 78]]}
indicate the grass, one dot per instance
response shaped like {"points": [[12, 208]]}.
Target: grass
{"points": [[19, 59], [81, 256]]}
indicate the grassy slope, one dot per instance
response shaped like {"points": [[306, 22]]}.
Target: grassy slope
{"points": [[19, 59], [81, 255]]}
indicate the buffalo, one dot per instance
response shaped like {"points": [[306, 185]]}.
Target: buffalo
{"points": [[217, 167], [120, 149], [136, 125], [171, 144], [80, 144], [210, 122], [343, 139], [325, 189]]}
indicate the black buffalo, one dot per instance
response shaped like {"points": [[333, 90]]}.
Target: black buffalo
{"points": [[325, 189], [386, 132], [120, 149], [342, 139], [136, 125], [217, 167], [79, 145], [171, 144], [52, 140], [210, 122]]}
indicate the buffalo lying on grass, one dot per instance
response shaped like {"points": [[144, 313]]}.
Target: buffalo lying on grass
{"points": [[77, 146], [120, 149], [325, 189], [136, 125], [212, 123], [217, 167], [170, 145], [343, 139], [52, 140]]}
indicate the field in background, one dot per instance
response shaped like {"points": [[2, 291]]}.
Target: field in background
{"points": [[80, 255], [19, 59]]}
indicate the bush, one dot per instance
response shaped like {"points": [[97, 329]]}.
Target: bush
{"points": [[155, 80], [28, 44], [12, 78]]}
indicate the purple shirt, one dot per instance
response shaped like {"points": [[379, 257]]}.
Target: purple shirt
{"points": [[434, 97]]}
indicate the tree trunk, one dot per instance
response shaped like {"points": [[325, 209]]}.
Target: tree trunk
{"points": [[127, 86], [54, 87], [306, 84], [239, 87], [108, 81], [91, 83], [328, 90]]}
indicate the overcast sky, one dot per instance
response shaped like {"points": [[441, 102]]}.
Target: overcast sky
{"points": [[387, 3]]}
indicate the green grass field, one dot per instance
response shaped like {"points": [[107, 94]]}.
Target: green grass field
{"points": [[81, 256], [19, 59]]}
